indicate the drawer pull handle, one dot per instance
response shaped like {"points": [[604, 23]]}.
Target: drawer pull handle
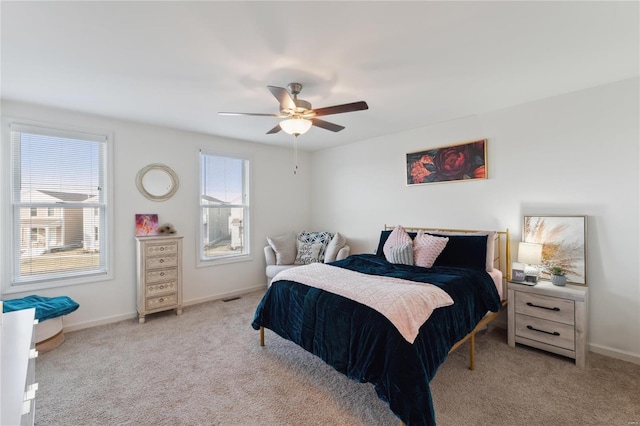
{"points": [[161, 248], [161, 260], [555, 333], [162, 274], [161, 299], [543, 307]]}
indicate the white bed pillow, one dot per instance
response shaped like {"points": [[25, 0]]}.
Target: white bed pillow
{"points": [[427, 248], [397, 237], [285, 248]]}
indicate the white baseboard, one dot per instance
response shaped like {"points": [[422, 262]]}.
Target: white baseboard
{"points": [[224, 295], [128, 316], [101, 321], [615, 353]]}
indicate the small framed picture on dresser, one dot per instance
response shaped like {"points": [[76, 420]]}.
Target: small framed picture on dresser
{"points": [[517, 275], [146, 224]]}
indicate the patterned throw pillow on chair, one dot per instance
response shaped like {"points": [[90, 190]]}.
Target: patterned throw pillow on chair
{"points": [[308, 253], [322, 238]]}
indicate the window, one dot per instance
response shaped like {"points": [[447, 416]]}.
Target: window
{"points": [[224, 208], [59, 205]]}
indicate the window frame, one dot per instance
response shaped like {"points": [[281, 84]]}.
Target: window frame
{"points": [[201, 260], [8, 250]]}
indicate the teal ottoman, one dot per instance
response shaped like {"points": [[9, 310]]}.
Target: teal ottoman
{"points": [[49, 313]]}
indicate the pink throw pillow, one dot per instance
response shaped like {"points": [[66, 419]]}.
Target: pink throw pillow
{"points": [[397, 237], [427, 248]]}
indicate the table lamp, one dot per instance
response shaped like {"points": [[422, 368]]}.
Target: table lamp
{"points": [[531, 255]]}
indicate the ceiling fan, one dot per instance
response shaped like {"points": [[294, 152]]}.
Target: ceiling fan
{"points": [[298, 114]]}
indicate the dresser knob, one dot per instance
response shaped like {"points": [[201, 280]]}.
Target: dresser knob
{"points": [[162, 274], [161, 260], [161, 248], [161, 299]]}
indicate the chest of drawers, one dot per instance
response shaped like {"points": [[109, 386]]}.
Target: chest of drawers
{"points": [[159, 277], [549, 317]]}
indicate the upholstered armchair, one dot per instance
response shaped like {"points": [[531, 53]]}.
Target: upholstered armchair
{"points": [[291, 250]]}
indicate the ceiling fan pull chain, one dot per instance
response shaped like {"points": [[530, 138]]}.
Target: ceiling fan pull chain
{"points": [[295, 154]]}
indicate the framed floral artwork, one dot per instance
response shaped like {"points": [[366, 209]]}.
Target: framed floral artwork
{"points": [[465, 161], [563, 240]]}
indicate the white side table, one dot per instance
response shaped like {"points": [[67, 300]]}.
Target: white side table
{"points": [[548, 317], [17, 367]]}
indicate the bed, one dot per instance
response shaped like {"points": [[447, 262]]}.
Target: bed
{"points": [[366, 343]]}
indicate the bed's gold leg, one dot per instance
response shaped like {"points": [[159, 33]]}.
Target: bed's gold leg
{"points": [[261, 336], [472, 352]]}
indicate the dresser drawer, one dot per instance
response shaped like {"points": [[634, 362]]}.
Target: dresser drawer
{"points": [[160, 275], [160, 249], [154, 290], [549, 332], [161, 302], [549, 308], [162, 261]]}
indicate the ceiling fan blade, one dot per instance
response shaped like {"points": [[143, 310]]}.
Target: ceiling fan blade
{"points": [[326, 125], [254, 114], [339, 109], [283, 96], [274, 130]]}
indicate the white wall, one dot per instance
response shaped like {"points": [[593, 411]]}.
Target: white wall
{"points": [[575, 154], [280, 202]]}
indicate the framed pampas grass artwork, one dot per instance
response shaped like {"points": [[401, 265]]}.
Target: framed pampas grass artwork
{"points": [[464, 161], [563, 240]]}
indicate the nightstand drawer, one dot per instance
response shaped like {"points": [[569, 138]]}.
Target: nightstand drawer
{"points": [[154, 290], [162, 262], [548, 308], [161, 302], [160, 275], [549, 332]]}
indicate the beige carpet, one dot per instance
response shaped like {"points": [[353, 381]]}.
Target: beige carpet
{"points": [[206, 367]]}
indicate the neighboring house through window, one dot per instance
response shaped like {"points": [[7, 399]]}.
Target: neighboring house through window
{"points": [[60, 205], [224, 208]]}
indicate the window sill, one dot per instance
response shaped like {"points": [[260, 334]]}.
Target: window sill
{"points": [[224, 260], [44, 285]]}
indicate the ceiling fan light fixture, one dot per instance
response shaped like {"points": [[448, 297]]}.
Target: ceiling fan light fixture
{"points": [[296, 126]]}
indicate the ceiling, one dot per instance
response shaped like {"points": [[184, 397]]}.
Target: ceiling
{"points": [[178, 64]]}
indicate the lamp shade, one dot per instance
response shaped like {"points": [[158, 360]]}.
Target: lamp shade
{"points": [[530, 253], [295, 126]]}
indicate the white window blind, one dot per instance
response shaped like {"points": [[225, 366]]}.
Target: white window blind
{"points": [[224, 207], [58, 185]]}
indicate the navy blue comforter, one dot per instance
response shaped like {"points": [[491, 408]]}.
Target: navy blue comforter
{"points": [[362, 344]]}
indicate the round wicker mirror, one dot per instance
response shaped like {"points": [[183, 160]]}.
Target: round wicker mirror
{"points": [[157, 182]]}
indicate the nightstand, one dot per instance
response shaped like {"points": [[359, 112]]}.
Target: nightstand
{"points": [[548, 317]]}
